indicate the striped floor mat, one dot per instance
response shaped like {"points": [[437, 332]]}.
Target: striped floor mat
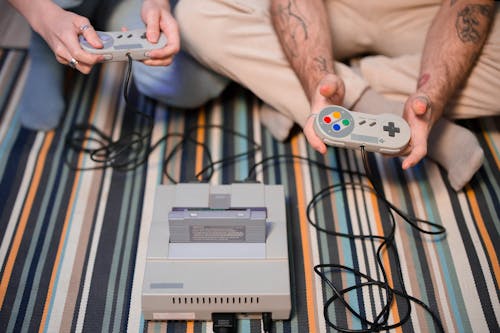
{"points": [[73, 243]]}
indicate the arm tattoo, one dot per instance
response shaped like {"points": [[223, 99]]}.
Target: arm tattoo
{"points": [[423, 79], [293, 25], [322, 65], [452, 2], [471, 24]]}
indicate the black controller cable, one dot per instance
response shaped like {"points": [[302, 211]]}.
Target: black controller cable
{"points": [[132, 150], [381, 320], [126, 153]]}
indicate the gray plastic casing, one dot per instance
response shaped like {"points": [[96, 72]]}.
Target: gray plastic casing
{"points": [[241, 278], [118, 44]]}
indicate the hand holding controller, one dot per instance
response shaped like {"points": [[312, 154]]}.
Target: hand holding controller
{"points": [[117, 44], [384, 133]]}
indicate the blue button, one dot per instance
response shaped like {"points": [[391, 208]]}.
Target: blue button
{"points": [[336, 127]]}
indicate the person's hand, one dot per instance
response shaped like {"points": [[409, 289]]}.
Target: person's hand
{"points": [[60, 29], [419, 115], [158, 18], [330, 91]]}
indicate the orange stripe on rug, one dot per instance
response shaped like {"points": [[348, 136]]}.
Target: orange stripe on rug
{"points": [[488, 244], [306, 244], [200, 135], [190, 327], [16, 243], [71, 202], [57, 259], [491, 146]]}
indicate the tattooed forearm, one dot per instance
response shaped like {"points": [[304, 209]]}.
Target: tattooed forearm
{"points": [[473, 22], [293, 27], [302, 28], [422, 80], [323, 65]]}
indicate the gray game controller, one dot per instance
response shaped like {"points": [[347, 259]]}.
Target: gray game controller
{"points": [[384, 133], [117, 44]]}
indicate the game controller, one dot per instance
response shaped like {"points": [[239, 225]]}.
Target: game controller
{"points": [[384, 133], [117, 44]]}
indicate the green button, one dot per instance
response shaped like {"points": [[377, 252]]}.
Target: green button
{"points": [[346, 122]]}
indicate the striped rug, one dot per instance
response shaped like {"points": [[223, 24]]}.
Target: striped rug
{"points": [[73, 243]]}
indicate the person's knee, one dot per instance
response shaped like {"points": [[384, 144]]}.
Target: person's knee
{"points": [[156, 84], [182, 84], [176, 96]]}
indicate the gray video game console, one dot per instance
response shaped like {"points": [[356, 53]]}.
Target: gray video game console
{"points": [[217, 248]]}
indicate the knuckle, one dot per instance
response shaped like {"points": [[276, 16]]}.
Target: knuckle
{"points": [[80, 55], [59, 50], [82, 20], [318, 147], [176, 48]]}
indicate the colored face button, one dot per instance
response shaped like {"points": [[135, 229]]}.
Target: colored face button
{"points": [[336, 115], [327, 119], [336, 127], [346, 122]]}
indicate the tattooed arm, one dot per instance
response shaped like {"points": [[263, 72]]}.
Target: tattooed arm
{"points": [[303, 30], [453, 44]]}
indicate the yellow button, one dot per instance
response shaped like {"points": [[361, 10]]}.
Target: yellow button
{"points": [[336, 114]]}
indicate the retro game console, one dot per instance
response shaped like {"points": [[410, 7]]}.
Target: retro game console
{"points": [[215, 249]]}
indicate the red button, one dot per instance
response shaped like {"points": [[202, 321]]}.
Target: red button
{"points": [[327, 119]]}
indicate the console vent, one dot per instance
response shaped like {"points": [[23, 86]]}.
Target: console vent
{"points": [[215, 300]]}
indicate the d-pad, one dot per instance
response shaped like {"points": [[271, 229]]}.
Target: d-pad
{"points": [[391, 129]]}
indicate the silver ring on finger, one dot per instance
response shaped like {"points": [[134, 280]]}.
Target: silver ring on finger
{"points": [[84, 27], [72, 63]]}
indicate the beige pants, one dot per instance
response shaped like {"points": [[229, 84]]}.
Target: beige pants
{"points": [[236, 39]]}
